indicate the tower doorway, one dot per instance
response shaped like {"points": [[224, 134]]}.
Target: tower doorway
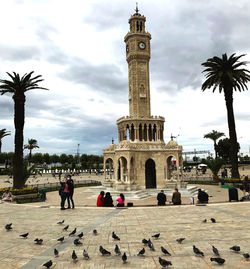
{"points": [[150, 174]]}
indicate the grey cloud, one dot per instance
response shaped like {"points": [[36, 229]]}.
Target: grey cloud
{"points": [[17, 54]]}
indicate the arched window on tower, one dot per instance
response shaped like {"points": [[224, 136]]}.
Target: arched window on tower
{"points": [[127, 133], [137, 26], [154, 133], [150, 132], [140, 132], [140, 26], [132, 132], [145, 132]]}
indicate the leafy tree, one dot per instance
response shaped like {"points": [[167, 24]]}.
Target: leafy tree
{"points": [[215, 166], [63, 158], [227, 75], [37, 158], [46, 158], [214, 135], [3, 133], [32, 144], [18, 86], [54, 158], [224, 148]]}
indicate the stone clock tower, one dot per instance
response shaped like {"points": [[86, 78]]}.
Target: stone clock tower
{"points": [[141, 159]]}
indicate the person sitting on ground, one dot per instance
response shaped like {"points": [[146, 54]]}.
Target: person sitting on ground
{"points": [[176, 198], [202, 197], [108, 201], [100, 199], [7, 196], [161, 198], [120, 200]]}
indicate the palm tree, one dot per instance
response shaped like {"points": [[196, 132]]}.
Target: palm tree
{"points": [[227, 75], [18, 86], [32, 144], [3, 133], [214, 135]]}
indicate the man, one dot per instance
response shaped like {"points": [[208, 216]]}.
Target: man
{"points": [[70, 183], [176, 198], [202, 197], [161, 198]]}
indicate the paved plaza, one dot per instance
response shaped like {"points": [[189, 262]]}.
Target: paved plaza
{"points": [[131, 225]]}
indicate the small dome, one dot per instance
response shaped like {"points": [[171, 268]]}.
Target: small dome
{"points": [[172, 144], [111, 147]]}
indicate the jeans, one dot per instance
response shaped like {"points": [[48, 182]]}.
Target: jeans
{"points": [[63, 199], [70, 198]]}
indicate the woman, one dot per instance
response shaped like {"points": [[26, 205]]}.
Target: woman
{"points": [[7, 196], [108, 201], [120, 200], [100, 199], [70, 183], [64, 192]]}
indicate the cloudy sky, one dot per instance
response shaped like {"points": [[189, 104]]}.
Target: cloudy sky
{"points": [[77, 46]]}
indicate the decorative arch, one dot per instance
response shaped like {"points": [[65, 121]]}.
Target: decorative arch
{"points": [[109, 166], [150, 174], [171, 166], [122, 171]]}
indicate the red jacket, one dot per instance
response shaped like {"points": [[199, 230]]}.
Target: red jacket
{"points": [[100, 200]]}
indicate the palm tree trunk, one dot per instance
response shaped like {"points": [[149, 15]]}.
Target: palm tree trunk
{"points": [[18, 177], [232, 133], [0, 146], [215, 150]]}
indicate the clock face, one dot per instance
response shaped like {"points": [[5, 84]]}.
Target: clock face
{"points": [[142, 45], [127, 48]]}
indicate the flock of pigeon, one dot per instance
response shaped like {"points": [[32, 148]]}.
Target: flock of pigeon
{"points": [[147, 243]]}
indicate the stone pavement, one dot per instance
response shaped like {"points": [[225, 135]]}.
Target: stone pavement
{"points": [[131, 225]]}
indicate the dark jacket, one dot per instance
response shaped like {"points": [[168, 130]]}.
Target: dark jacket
{"points": [[70, 183], [176, 198], [108, 201], [161, 197], [202, 196]]}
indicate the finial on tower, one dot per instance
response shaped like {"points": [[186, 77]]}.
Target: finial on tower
{"points": [[136, 9]]}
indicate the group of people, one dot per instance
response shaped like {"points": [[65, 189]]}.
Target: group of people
{"points": [[107, 201], [66, 192], [162, 198]]}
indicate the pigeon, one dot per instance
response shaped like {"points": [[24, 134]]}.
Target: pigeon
{"points": [[60, 222], [144, 241], [164, 251], [114, 236], [66, 228], [56, 252], [73, 232], [24, 235], [204, 221], [124, 257], [164, 263], [141, 252], [8, 227], [80, 235], [77, 242], [85, 255], [179, 240], [150, 245], [156, 236], [197, 251], [48, 264], [95, 232], [246, 256], [60, 239], [104, 251], [213, 220], [235, 248], [215, 251], [218, 260], [38, 241], [117, 250], [74, 256]]}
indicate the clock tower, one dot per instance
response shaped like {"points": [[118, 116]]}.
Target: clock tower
{"points": [[138, 55]]}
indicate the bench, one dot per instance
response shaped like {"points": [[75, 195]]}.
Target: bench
{"points": [[27, 198]]}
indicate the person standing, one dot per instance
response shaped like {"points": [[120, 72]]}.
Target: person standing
{"points": [[64, 192], [100, 199], [161, 198], [70, 183], [176, 198]]}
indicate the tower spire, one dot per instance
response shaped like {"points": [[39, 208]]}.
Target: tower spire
{"points": [[136, 9]]}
